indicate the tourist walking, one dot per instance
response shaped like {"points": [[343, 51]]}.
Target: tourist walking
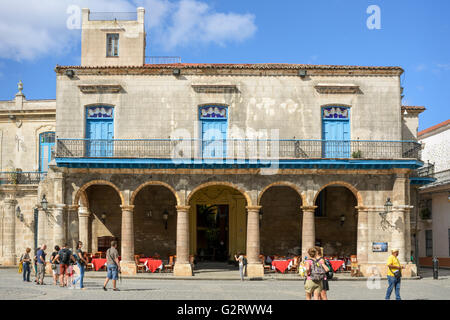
{"points": [[81, 263], [25, 260], [315, 273], [40, 261], [241, 260], [394, 275], [55, 265], [112, 265], [64, 257]]}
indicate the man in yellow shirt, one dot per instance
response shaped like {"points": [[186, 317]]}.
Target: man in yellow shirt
{"points": [[394, 275]]}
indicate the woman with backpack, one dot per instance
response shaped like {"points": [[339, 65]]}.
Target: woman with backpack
{"points": [[26, 261], [328, 273], [55, 265], [315, 273]]}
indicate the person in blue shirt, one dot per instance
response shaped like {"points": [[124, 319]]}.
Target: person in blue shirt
{"points": [[40, 256]]}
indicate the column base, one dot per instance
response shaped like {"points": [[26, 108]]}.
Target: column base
{"points": [[128, 267], [255, 270], [9, 261], [182, 270], [377, 269]]}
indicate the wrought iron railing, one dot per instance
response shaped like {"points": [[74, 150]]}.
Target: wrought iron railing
{"points": [[162, 59], [425, 171], [236, 149], [111, 16], [19, 177]]}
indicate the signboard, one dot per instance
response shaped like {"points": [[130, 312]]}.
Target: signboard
{"points": [[379, 246]]}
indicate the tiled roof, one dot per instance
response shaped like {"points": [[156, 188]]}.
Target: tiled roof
{"points": [[236, 66], [430, 129], [413, 108]]}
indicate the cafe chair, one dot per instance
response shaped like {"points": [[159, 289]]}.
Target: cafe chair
{"points": [[139, 265], [295, 264], [169, 267], [265, 266], [90, 265]]}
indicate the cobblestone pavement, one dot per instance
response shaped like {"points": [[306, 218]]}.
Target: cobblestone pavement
{"points": [[12, 287]]}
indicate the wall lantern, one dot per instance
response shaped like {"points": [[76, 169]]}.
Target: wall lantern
{"points": [[103, 217], [388, 205], [176, 72], [19, 214], [302, 73], [70, 73], [149, 214], [342, 219], [44, 203], [387, 208], [165, 218]]}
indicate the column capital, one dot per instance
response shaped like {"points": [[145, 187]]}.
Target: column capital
{"points": [[60, 206], [253, 208], [83, 212], [73, 207], [308, 208], [362, 208], [183, 208], [127, 207]]}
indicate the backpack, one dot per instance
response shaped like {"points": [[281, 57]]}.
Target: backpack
{"points": [[65, 256], [317, 271], [244, 261], [329, 273]]}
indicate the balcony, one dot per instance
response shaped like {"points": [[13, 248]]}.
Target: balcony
{"points": [[244, 152], [423, 175], [19, 177]]}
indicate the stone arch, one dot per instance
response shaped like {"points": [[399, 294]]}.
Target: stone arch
{"points": [[220, 183], [283, 184], [355, 191], [97, 182], [155, 183]]}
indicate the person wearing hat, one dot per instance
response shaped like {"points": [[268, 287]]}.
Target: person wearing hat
{"points": [[394, 275]]}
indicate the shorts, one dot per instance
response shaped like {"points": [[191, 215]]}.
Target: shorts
{"points": [[63, 268], [325, 285], [112, 272], [57, 270], [311, 286]]}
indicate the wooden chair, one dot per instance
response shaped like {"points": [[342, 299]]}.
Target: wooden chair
{"points": [[90, 265], [169, 267], [263, 261], [139, 265], [97, 255], [295, 264]]}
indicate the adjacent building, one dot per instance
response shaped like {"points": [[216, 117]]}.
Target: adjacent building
{"points": [[210, 160], [434, 206]]}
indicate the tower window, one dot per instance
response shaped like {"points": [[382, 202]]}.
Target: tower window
{"points": [[112, 45]]}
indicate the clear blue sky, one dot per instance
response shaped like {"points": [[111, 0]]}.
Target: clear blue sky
{"points": [[414, 35]]}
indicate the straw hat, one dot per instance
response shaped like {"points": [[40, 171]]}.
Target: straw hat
{"points": [[395, 250]]}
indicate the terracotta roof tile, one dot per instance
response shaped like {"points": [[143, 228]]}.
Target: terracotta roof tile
{"points": [[439, 125]]}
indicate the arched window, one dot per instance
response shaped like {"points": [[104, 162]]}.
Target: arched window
{"points": [[99, 131], [214, 125], [336, 132]]}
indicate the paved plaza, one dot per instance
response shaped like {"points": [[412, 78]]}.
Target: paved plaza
{"points": [[12, 287]]}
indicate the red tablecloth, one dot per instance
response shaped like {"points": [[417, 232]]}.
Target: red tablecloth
{"points": [[336, 264], [281, 265], [98, 263], [151, 264]]}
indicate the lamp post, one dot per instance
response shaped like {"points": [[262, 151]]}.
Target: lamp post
{"points": [[44, 203], [165, 218]]}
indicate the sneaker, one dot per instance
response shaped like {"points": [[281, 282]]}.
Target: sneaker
{"points": [[105, 289]]}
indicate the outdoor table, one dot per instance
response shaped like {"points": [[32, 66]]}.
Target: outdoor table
{"points": [[336, 264], [99, 262], [282, 265], [151, 264]]}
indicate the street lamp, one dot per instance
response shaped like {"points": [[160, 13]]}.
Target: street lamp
{"points": [[387, 208], [19, 214], [388, 205], [103, 217], [165, 218], [342, 219], [44, 203]]}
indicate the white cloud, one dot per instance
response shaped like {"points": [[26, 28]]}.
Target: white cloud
{"points": [[31, 29], [445, 67]]}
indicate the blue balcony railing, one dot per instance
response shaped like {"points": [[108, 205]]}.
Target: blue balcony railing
{"points": [[236, 149]]}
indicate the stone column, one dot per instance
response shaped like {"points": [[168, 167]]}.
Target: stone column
{"points": [[127, 263], [83, 225], [254, 266], [182, 266], [408, 233], [308, 229], [42, 226], [363, 235], [73, 227], [9, 232], [58, 228], [398, 232]]}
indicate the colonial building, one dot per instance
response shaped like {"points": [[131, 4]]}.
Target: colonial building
{"points": [[434, 206], [215, 159]]}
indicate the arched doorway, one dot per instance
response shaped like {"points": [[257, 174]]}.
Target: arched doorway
{"points": [[155, 221], [336, 221], [281, 221], [105, 220], [218, 222]]}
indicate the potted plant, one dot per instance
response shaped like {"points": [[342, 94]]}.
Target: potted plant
{"points": [[356, 154]]}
